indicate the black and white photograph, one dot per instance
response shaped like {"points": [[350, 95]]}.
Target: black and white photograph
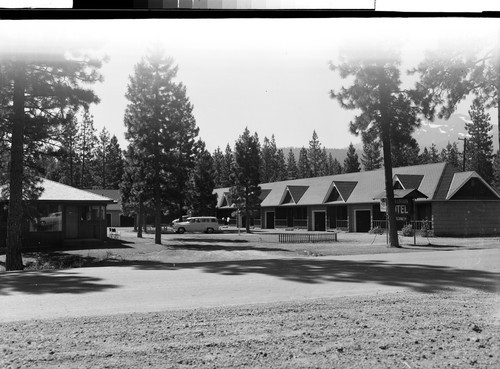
{"points": [[243, 188]]}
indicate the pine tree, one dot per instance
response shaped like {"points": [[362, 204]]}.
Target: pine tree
{"points": [[68, 155], [330, 165], [281, 171], [434, 154], [351, 162], [291, 166], [161, 130], [115, 164], [202, 200], [315, 157], [371, 158], [375, 92], [449, 75], [185, 150], [268, 160], [450, 154], [425, 157], [246, 191], [480, 143], [101, 153], [86, 146], [496, 172], [325, 168], [336, 167], [136, 188], [303, 166], [218, 162], [227, 176], [36, 93]]}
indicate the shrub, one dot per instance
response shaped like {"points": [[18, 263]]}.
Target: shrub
{"points": [[54, 261], [376, 230], [407, 230]]}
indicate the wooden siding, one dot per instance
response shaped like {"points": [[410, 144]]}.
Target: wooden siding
{"points": [[466, 218]]}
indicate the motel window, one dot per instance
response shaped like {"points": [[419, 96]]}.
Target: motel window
{"points": [[92, 213], [48, 218]]}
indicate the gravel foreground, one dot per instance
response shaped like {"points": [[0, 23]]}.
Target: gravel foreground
{"points": [[401, 330]]}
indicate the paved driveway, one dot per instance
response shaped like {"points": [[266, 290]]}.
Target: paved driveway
{"points": [[150, 286]]}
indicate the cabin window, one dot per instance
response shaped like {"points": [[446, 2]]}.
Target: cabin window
{"points": [[92, 213], [48, 218]]}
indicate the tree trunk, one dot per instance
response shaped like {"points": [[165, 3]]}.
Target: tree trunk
{"points": [[14, 260], [247, 220], [384, 97], [140, 221], [498, 89]]}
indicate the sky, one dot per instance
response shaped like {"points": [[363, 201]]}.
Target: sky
{"points": [[270, 75]]}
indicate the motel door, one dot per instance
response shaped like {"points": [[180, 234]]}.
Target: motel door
{"points": [[319, 221], [270, 219], [71, 221], [363, 220]]}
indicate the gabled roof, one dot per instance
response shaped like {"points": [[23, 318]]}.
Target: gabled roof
{"points": [[293, 194], [461, 179], [433, 180], [411, 193], [58, 192], [263, 194], [409, 180], [225, 201], [344, 189]]}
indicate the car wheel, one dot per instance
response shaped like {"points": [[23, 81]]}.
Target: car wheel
{"points": [[181, 230], [210, 230]]}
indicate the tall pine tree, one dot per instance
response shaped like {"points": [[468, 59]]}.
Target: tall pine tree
{"points": [[246, 190], [303, 165], [202, 199], [115, 164], [36, 93], [315, 157], [375, 92], [161, 130], [480, 143]]}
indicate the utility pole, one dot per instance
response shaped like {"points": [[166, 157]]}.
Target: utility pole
{"points": [[464, 139]]}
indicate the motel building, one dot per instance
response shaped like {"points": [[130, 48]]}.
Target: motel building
{"points": [[448, 201], [61, 214]]}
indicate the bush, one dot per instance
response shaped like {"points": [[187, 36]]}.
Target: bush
{"points": [[376, 230], [426, 229], [407, 230], [54, 261]]}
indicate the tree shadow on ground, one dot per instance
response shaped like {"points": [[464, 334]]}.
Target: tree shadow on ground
{"points": [[417, 277], [41, 282]]}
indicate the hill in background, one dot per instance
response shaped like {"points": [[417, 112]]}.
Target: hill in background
{"points": [[439, 132]]}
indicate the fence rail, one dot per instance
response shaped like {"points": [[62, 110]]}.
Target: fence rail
{"points": [[307, 237], [343, 224], [280, 223], [300, 223]]}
